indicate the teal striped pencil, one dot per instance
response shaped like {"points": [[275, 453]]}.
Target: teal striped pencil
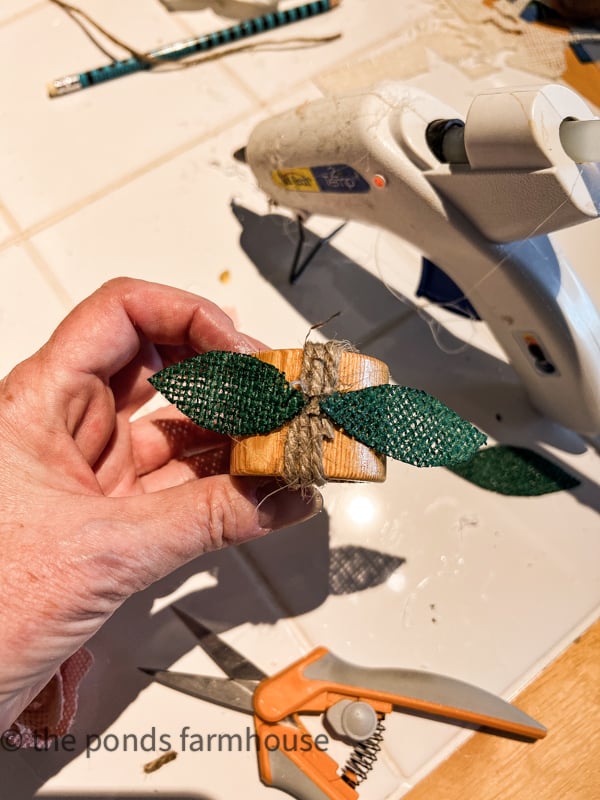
{"points": [[188, 47]]}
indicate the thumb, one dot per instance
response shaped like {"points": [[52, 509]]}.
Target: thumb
{"points": [[175, 525]]}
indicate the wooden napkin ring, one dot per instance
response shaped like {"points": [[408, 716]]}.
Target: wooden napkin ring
{"points": [[343, 458]]}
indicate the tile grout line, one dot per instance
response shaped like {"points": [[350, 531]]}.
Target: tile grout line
{"points": [[367, 50], [144, 169], [20, 14], [118, 183], [241, 83], [9, 219], [231, 73], [48, 274], [25, 234]]}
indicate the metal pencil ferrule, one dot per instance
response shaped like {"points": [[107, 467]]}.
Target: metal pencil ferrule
{"points": [[66, 85]]}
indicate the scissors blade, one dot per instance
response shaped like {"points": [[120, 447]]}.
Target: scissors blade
{"points": [[222, 691], [233, 663]]}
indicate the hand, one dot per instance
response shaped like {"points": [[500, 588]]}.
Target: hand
{"points": [[95, 506]]}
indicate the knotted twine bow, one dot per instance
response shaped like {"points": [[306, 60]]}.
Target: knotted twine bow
{"points": [[303, 451], [240, 395]]}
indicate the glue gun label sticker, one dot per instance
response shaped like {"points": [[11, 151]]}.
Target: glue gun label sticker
{"points": [[336, 178]]}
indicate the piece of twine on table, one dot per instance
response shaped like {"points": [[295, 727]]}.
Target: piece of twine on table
{"points": [[88, 25]]}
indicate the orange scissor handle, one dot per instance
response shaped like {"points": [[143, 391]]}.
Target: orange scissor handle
{"points": [[290, 759], [320, 679], [291, 691]]}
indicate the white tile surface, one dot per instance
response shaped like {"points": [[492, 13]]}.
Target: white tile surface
{"points": [[167, 244], [55, 154], [29, 308], [425, 571], [267, 74]]}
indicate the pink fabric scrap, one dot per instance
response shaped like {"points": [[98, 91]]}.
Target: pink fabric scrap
{"points": [[52, 712]]}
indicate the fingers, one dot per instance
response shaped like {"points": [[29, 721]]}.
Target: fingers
{"points": [[102, 334], [182, 470], [169, 528], [130, 385], [167, 434]]}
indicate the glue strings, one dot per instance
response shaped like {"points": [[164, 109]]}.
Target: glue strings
{"points": [[83, 19], [434, 325], [308, 492]]}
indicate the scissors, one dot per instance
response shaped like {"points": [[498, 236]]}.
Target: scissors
{"points": [[354, 700]]}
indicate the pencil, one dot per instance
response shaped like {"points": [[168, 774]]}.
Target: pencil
{"points": [[179, 50]]}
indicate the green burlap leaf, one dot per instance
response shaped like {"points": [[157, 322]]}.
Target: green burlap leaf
{"points": [[406, 424], [230, 393], [515, 471]]}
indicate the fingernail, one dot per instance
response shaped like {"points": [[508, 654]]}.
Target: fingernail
{"points": [[281, 507]]}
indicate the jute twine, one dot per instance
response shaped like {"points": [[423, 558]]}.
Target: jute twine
{"points": [[303, 450]]}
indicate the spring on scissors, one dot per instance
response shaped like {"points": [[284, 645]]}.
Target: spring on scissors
{"points": [[362, 758]]}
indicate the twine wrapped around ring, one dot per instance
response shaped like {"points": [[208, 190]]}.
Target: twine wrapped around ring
{"points": [[303, 451]]}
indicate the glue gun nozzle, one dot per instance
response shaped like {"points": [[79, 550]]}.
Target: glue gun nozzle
{"points": [[240, 155]]}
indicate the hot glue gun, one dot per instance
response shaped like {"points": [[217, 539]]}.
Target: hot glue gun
{"points": [[477, 197]]}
